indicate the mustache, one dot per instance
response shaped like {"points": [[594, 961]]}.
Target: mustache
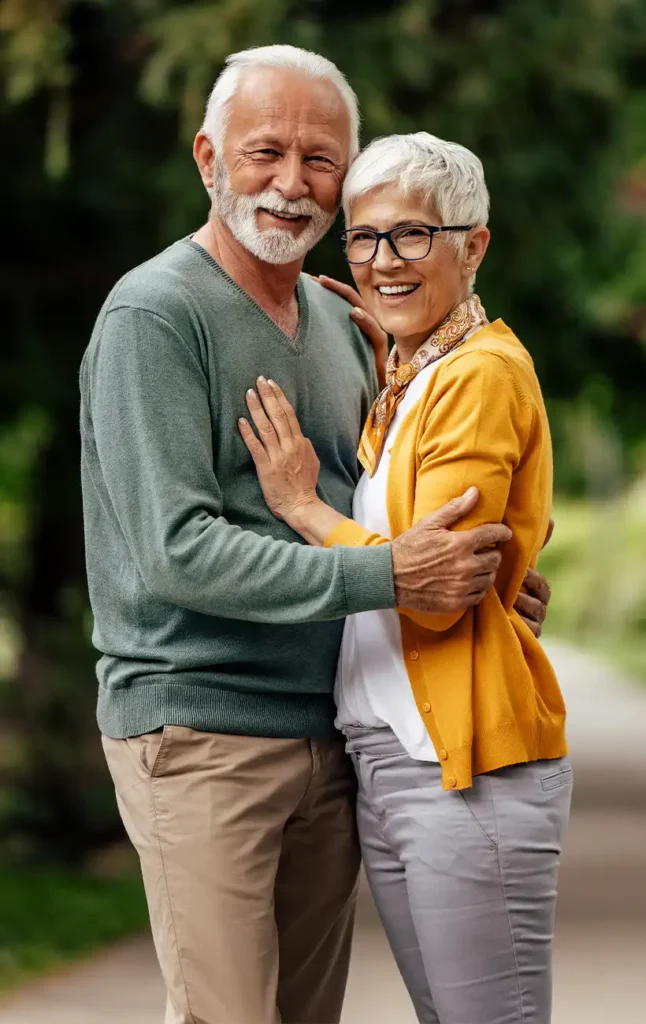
{"points": [[275, 203]]}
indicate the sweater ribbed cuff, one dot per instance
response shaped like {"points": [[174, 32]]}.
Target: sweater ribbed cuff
{"points": [[369, 579]]}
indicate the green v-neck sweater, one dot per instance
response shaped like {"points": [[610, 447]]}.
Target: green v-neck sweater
{"points": [[208, 612]]}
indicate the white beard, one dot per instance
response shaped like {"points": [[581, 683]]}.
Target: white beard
{"points": [[274, 245]]}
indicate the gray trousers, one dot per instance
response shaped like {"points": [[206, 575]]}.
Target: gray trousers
{"points": [[464, 881]]}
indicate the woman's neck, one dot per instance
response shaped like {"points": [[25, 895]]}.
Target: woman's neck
{"points": [[408, 344]]}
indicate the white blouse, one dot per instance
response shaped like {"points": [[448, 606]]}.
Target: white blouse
{"points": [[372, 685]]}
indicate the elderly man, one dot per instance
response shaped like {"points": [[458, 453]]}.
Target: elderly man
{"points": [[220, 631]]}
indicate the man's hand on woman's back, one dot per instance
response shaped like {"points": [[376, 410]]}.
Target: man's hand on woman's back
{"points": [[534, 597]]}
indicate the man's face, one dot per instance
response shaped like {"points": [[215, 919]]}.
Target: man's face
{"points": [[277, 182]]}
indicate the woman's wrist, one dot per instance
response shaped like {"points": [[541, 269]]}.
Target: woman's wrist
{"points": [[313, 520], [302, 510]]}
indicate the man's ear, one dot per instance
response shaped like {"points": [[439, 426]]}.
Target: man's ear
{"points": [[204, 154]]}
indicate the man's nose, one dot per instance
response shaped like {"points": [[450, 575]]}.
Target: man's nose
{"points": [[385, 258], [289, 179]]}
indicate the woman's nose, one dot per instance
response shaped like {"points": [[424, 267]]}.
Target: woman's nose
{"points": [[385, 258]]}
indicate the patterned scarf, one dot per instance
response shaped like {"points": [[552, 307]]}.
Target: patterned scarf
{"points": [[466, 317]]}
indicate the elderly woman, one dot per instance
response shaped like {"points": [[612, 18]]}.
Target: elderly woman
{"points": [[455, 723]]}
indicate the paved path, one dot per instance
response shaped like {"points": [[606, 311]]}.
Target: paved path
{"points": [[600, 954], [599, 979]]}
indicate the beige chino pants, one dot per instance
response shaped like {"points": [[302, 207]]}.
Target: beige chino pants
{"points": [[249, 858]]}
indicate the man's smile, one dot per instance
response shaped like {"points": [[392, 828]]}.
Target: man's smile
{"points": [[291, 217]]}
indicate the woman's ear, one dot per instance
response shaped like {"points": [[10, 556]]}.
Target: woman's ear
{"points": [[475, 248]]}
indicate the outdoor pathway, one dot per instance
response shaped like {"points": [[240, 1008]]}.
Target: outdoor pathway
{"points": [[600, 954]]}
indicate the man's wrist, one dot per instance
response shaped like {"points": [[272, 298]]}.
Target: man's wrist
{"points": [[368, 573]]}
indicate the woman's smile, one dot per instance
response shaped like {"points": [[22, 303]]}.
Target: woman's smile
{"points": [[395, 293]]}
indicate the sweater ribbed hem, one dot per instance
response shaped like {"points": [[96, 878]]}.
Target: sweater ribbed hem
{"points": [[369, 578], [142, 707], [513, 742]]}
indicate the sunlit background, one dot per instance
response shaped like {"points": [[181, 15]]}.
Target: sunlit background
{"points": [[101, 99]]}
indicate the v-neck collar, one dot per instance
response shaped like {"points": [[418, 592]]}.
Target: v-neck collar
{"points": [[297, 344]]}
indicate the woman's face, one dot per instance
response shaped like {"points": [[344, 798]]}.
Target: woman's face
{"points": [[436, 283]]}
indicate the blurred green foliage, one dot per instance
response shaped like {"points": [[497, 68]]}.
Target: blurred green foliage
{"points": [[100, 101], [51, 916], [597, 555]]}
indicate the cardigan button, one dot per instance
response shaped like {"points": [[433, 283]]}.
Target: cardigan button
{"points": [[414, 655], [443, 755], [426, 706], [451, 782]]}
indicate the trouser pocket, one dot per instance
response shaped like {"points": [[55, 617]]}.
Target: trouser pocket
{"points": [[152, 748], [561, 777], [137, 758], [478, 800]]}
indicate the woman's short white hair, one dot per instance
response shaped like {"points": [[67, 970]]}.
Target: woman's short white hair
{"points": [[278, 56], [446, 176]]}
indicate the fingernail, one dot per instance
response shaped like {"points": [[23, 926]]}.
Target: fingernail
{"points": [[272, 383], [251, 393], [356, 311], [471, 492], [261, 380], [242, 422]]}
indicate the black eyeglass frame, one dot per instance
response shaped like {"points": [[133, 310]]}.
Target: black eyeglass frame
{"points": [[433, 229]]}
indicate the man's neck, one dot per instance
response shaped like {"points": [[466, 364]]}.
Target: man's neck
{"points": [[271, 286]]}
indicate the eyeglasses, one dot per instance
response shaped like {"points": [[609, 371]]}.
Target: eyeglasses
{"points": [[408, 242]]}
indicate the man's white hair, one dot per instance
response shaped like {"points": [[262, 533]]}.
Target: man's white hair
{"points": [[278, 56], [446, 176]]}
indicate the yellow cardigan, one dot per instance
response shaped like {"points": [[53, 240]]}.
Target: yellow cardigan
{"points": [[482, 682]]}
